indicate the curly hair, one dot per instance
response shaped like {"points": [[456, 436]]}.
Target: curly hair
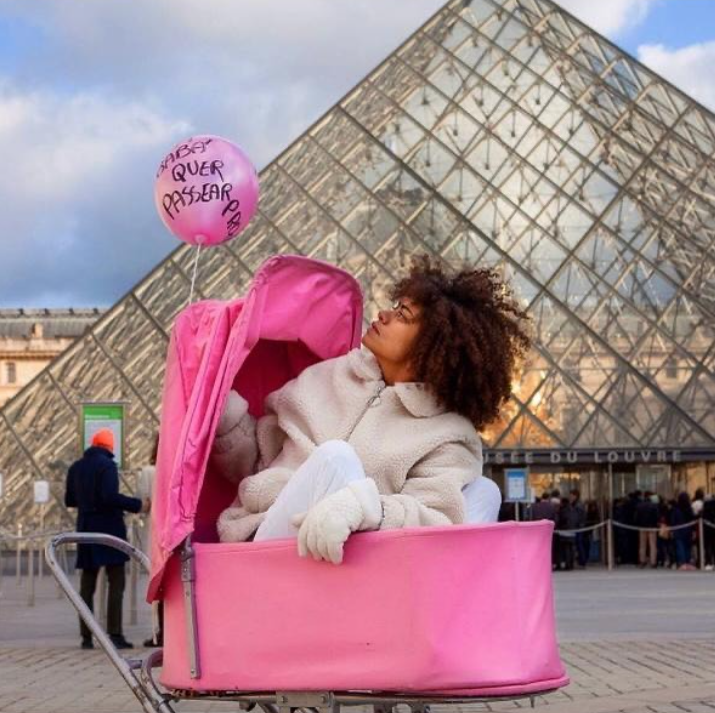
{"points": [[471, 339]]}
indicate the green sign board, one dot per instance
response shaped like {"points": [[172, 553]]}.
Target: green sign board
{"points": [[94, 417]]}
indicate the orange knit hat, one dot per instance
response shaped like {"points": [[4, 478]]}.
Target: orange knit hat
{"points": [[104, 438]]}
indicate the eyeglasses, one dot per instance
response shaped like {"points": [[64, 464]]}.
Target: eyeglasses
{"points": [[403, 313]]}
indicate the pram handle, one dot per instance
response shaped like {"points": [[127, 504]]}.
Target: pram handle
{"points": [[151, 699]]}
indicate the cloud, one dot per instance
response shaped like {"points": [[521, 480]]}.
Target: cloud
{"points": [[208, 51], [689, 68], [99, 92], [58, 146], [609, 17], [66, 159]]}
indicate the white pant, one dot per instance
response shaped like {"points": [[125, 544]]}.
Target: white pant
{"points": [[334, 464]]}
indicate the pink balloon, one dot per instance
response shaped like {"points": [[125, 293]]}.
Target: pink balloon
{"points": [[206, 190]]}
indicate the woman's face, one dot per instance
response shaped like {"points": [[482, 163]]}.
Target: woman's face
{"points": [[391, 336]]}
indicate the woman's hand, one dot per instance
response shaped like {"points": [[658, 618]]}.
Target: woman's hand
{"points": [[328, 524]]}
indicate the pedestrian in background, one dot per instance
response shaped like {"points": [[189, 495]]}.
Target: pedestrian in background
{"points": [[646, 516], [555, 499], [708, 515], [593, 518], [697, 505], [145, 488], [665, 544], [579, 519], [566, 538], [698, 501], [93, 488], [682, 514], [620, 540], [544, 509], [630, 537]]}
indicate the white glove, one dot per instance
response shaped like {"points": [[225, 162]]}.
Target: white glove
{"points": [[236, 524], [328, 524], [235, 409]]}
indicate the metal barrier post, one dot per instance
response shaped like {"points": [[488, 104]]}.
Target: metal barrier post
{"points": [[701, 544], [31, 573], [609, 528], [41, 553], [18, 557], [133, 576]]}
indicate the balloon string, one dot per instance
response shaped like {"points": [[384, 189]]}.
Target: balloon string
{"points": [[193, 276]]}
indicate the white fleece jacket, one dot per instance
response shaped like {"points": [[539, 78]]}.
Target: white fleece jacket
{"points": [[419, 455]]}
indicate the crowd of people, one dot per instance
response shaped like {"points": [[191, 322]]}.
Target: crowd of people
{"points": [[649, 530], [671, 540]]}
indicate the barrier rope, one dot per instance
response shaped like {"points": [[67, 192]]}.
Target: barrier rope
{"points": [[8, 536], [582, 529], [635, 528], [671, 528]]}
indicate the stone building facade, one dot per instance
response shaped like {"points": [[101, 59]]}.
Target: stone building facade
{"points": [[31, 338]]}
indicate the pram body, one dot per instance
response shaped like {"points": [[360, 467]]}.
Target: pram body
{"points": [[462, 611]]}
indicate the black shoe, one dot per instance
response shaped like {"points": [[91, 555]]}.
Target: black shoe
{"points": [[87, 643], [121, 643], [151, 644]]}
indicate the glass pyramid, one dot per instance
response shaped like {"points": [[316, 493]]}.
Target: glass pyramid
{"points": [[502, 133]]}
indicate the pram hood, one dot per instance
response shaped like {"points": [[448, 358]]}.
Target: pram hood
{"points": [[297, 312]]}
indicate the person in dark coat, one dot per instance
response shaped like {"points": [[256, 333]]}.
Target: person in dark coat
{"points": [[567, 521], [544, 509], [630, 537], [647, 515], [93, 488], [593, 518], [682, 514], [709, 532], [579, 518]]}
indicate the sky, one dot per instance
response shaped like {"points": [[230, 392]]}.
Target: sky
{"points": [[94, 94]]}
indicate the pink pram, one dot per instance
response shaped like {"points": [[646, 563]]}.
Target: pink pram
{"points": [[413, 615]]}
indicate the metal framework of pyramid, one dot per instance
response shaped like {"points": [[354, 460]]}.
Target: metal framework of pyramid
{"points": [[502, 133]]}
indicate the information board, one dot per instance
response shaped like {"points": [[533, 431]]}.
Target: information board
{"points": [[517, 485], [95, 416]]}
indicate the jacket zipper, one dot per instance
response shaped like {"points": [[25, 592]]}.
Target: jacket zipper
{"points": [[372, 401]]}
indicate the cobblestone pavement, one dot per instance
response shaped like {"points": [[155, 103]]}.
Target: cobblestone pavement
{"points": [[632, 641]]}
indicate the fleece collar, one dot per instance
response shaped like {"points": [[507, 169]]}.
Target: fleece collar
{"points": [[414, 395]]}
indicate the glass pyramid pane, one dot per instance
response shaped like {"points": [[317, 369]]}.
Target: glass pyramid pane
{"points": [[525, 430], [503, 133]]}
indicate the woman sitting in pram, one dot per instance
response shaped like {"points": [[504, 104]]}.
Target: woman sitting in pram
{"points": [[385, 436]]}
